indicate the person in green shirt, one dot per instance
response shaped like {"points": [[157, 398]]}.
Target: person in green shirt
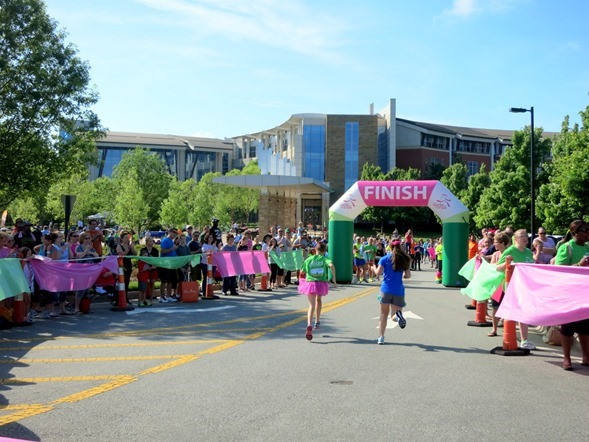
{"points": [[315, 276], [520, 253], [575, 253]]}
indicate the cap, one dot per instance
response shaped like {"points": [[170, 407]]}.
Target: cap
{"points": [[172, 229], [215, 220], [23, 223], [395, 243]]}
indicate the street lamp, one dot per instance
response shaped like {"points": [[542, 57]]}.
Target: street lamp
{"points": [[519, 110]]}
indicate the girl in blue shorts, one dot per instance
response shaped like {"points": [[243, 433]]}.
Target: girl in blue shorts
{"points": [[395, 266]]}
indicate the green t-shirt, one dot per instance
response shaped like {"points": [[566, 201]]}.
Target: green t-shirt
{"points": [[357, 248], [369, 252], [570, 253], [316, 268], [525, 256], [440, 252]]}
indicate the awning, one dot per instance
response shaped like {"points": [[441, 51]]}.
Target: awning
{"points": [[275, 182]]}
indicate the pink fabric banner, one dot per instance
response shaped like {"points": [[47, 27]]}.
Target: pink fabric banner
{"points": [[60, 276], [403, 193], [241, 263], [546, 295]]}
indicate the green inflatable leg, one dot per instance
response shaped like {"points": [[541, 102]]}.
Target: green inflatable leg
{"points": [[340, 249], [455, 253]]}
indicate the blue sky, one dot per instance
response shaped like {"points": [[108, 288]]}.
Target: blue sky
{"points": [[222, 68]]}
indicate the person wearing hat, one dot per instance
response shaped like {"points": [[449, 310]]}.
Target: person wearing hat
{"points": [[24, 237], [216, 231]]}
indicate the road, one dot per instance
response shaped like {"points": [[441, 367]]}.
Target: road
{"points": [[240, 369]]}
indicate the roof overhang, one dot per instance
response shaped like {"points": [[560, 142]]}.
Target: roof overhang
{"points": [[275, 182]]}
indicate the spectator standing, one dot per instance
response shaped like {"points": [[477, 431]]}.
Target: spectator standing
{"points": [[168, 277], [97, 236], [217, 233], [520, 253], [548, 244], [229, 282], [575, 252]]}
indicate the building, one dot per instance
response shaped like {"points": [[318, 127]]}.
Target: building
{"points": [[332, 149], [185, 157]]}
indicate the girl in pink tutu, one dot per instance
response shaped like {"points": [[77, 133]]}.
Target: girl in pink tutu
{"points": [[314, 283]]}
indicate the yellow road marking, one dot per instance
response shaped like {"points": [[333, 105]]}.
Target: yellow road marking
{"points": [[26, 411], [105, 359], [93, 346]]}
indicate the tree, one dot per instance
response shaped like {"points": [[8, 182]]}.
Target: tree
{"points": [[152, 177], [507, 200], [179, 207], [477, 183], [455, 178], [131, 208], [43, 89], [563, 198]]}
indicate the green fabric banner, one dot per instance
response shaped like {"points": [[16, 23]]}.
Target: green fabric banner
{"points": [[467, 270], [288, 260], [170, 262], [12, 278], [484, 283]]}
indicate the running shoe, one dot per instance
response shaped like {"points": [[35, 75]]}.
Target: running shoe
{"points": [[309, 334], [400, 319], [380, 340]]}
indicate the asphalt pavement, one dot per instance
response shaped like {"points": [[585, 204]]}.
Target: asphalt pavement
{"points": [[240, 369]]}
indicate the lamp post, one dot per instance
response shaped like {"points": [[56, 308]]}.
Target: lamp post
{"points": [[519, 110]]}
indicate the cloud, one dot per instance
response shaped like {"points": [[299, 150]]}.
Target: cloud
{"points": [[463, 9], [288, 25]]}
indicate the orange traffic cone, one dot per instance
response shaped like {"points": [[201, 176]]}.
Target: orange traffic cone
{"points": [[480, 316], [509, 347], [209, 292], [265, 286], [121, 305]]}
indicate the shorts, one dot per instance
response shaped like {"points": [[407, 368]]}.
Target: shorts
{"points": [[142, 285], [168, 275], [359, 262], [579, 327], [398, 301]]}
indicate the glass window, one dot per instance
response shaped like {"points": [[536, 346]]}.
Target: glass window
{"points": [[314, 152], [199, 163], [472, 167], [351, 154]]}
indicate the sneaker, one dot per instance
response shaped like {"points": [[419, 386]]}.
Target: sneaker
{"points": [[148, 304], [400, 319], [172, 299], [527, 345], [309, 334], [45, 315], [317, 325], [380, 340], [163, 300]]}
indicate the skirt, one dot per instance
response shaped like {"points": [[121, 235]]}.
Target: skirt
{"points": [[320, 288]]}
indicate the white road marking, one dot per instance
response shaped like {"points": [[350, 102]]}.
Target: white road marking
{"points": [[391, 323]]}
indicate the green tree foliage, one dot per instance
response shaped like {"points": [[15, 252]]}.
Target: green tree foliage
{"points": [[564, 197], [507, 200], [43, 89], [131, 209], [434, 171], [179, 207], [455, 178], [153, 180], [477, 183]]}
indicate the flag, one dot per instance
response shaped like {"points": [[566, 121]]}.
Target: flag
{"points": [[468, 269], [170, 262], [288, 260], [12, 278], [546, 295], [246, 262], [62, 276], [484, 282]]}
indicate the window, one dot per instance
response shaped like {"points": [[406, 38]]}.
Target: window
{"points": [[351, 154], [314, 152], [472, 167], [198, 163], [434, 141]]}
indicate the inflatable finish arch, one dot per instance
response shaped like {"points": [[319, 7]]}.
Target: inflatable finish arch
{"points": [[433, 194]]}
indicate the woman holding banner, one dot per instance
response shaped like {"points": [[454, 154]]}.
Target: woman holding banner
{"points": [[576, 253]]}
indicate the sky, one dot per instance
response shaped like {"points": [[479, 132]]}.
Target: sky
{"points": [[224, 68]]}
